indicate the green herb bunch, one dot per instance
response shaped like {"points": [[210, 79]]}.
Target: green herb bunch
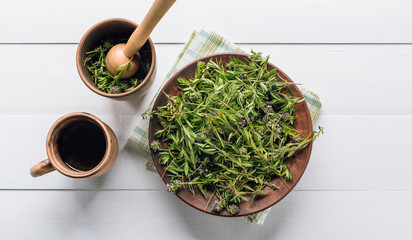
{"points": [[230, 131], [96, 63]]}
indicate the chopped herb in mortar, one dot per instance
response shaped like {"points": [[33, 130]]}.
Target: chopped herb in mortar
{"points": [[96, 63], [230, 131]]}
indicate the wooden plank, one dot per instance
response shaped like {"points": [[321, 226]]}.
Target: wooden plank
{"points": [[360, 153], [154, 215], [264, 21], [350, 79], [51, 84], [355, 153]]}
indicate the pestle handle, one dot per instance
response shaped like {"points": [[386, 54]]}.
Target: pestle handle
{"points": [[142, 32]]}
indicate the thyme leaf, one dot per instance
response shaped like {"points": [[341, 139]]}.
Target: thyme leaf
{"points": [[96, 64]]}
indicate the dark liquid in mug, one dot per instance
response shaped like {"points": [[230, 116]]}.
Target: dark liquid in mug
{"points": [[82, 146]]}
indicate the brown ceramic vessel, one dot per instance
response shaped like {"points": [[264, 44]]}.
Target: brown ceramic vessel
{"points": [[55, 161], [297, 162], [117, 29]]}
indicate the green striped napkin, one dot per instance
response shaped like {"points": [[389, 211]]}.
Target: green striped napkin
{"points": [[201, 44]]}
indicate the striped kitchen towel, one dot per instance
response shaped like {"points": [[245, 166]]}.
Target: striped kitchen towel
{"points": [[201, 44]]}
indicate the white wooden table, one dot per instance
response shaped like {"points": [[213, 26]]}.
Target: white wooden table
{"points": [[357, 55]]}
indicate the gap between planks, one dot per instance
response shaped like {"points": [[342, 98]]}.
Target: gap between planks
{"points": [[159, 190]]}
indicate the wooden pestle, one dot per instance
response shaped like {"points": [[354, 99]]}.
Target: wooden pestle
{"points": [[121, 53]]}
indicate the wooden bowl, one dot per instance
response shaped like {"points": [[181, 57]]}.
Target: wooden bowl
{"points": [[115, 28], [297, 162]]}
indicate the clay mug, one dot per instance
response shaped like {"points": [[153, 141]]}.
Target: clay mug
{"points": [[79, 145]]}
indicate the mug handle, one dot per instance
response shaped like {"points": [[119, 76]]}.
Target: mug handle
{"points": [[41, 168]]}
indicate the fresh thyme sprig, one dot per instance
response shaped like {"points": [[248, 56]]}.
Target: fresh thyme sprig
{"points": [[96, 63], [230, 131]]}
